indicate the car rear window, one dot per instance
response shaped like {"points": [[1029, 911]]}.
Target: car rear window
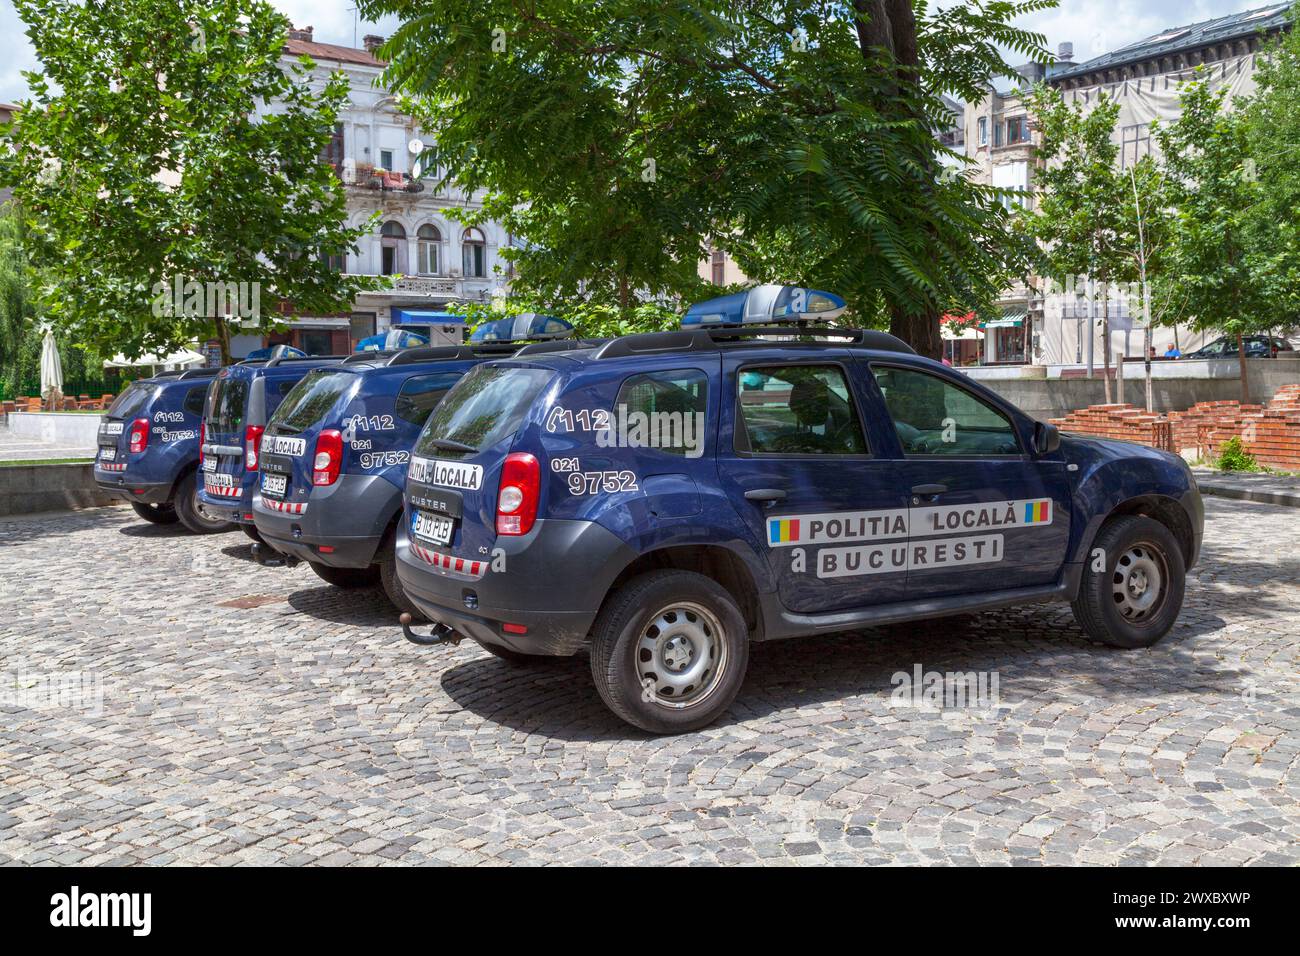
{"points": [[484, 407], [310, 399], [420, 394], [136, 396], [227, 405]]}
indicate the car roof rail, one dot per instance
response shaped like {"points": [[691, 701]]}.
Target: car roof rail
{"points": [[282, 359], [710, 338], [560, 345], [199, 372], [429, 353]]}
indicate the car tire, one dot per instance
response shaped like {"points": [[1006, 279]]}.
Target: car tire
{"points": [[1135, 600], [155, 514], [250, 531], [388, 578], [346, 577], [684, 636], [191, 512]]}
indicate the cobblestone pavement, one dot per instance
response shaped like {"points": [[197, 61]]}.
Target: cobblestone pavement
{"points": [[259, 716]]}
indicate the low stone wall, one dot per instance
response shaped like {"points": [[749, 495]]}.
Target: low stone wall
{"points": [[29, 489], [68, 429]]}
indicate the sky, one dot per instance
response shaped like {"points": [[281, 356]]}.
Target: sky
{"points": [[1093, 26]]}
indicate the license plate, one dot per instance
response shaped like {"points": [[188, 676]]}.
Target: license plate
{"points": [[432, 527], [220, 481], [274, 484], [209, 463], [107, 454]]}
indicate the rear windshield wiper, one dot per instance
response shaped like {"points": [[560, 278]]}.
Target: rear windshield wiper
{"points": [[283, 429], [448, 444]]}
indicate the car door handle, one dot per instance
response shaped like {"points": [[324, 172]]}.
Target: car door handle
{"points": [[765, 494], [929, 489]]}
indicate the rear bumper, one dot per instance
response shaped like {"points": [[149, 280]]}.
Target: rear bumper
{"points": [[119, 485], [350, 517], [552, 582], [238, 509]]}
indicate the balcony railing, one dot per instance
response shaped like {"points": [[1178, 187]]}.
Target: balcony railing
{"points": [[383, 181], [423, 285]]}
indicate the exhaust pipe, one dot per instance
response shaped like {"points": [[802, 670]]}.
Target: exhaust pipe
{"points": [[440, 634]]}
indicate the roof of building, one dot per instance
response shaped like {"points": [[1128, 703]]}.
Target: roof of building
{"points": [[331, 51], [1234, 26]]}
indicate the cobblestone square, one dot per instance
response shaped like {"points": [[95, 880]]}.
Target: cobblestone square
{"points": [[163, 699]]}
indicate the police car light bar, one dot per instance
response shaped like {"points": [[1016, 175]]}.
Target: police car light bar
{"points": [[525, 327], [767, 305]]}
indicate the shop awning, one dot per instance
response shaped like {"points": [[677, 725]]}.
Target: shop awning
{"points": [[425, 317], [1010, 318]]}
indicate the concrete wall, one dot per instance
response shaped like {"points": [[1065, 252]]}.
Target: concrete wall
{"points": [[28, 489], [1051, 397], [69, 429]]}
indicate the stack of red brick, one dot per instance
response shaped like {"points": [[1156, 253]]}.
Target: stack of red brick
{"points": [[1270, 433]]}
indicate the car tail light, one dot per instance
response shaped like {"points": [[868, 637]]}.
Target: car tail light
{"points": [[252, 446], [203, 440], [139, 437], [329, 457], [521, 483]]}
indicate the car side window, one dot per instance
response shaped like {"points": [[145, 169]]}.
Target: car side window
{"points": [[420, 395], [932, 416], [194, 400], [797, 410], [665, 411]]}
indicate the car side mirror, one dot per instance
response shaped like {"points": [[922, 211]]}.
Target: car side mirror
{"points": [[1047, 438]]}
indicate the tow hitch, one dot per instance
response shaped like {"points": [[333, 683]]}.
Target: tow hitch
{"points": [[270, 558], [440, 634]]}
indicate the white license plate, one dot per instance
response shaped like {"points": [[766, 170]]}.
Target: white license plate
{"points": [[107, 454], [209, 463], [220, 481], [274, 484], [432, 527]]}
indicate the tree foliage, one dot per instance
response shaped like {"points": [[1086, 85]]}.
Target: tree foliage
{"points": [[616, 140], [165, 139]]}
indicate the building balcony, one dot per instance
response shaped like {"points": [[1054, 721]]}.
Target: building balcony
{"points": [[379, 180]]}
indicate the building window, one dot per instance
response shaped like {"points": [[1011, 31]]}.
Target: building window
{"points": [[334, 263], [474, 254], [386, 159], [983, 130], [719, 267], [429, 239], [392, 249], [333, 153], [1135, 142], [1017, 130]]}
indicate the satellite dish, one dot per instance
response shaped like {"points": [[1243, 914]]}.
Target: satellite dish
{"points": [[415, 146], [415, 169]]}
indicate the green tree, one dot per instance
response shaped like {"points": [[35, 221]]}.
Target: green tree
{"points": [[1084, 220], [165, 140], [1215, 256], [17, 310], [615, 140]]}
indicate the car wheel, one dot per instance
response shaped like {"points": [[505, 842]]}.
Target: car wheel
{"points": [[388, 578], [669, 651], [1135, 597], [192, 512], [346, 577], [155, 514], [252, 532]]}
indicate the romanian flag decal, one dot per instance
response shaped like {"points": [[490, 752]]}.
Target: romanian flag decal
{"points": [[781, 530], [1038, 512]]}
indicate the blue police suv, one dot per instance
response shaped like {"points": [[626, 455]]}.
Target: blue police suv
{"points": [[334, 454], [240, 401], [148, 450], [667, 499]]}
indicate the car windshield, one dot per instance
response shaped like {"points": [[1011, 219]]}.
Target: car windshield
{"points": [[310, 399], [227, 404], [136, 396], [483, 408]]}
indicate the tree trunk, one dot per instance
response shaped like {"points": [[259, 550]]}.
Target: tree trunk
{"points": [[890, 25], [223, 338], [1105, 348], [919, 331], [1241, 362]]}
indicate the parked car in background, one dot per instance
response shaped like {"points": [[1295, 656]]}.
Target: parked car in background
{"points": [[240, 402], [148, 450], [1257, 346]]}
